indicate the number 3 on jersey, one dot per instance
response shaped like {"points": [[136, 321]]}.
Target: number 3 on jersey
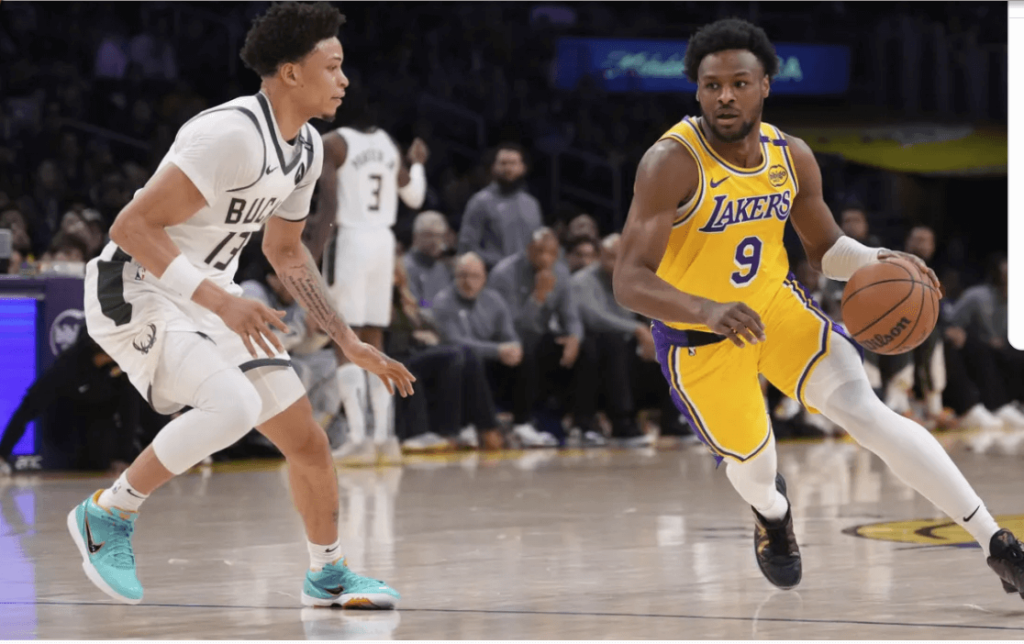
{"points": [[748, 258]]}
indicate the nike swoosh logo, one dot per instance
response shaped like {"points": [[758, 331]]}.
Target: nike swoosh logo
{"points": [[720, 181], [337, 590], [971, 516], [269, 170], [134, 494], [93, 547]]}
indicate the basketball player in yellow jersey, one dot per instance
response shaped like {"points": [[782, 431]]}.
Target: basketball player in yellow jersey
{"points": [[702, 255]]}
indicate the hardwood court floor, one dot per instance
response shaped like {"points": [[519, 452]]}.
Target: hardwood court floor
{"points": [[595, 544]]}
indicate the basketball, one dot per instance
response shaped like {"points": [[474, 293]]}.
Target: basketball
{"points": [[890, 307]]}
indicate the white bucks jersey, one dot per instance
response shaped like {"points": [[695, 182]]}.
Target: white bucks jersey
{"points": [[368, 180], [236, 156]]}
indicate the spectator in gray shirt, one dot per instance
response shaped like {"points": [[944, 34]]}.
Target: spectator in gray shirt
{"points": [[535, 287], [500, 218], [471, 315], [617, 359], [979, 332], [428, 274]]}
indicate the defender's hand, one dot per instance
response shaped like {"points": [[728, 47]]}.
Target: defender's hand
{"points": [[390, 371], [418, 151], [570, 350], [736, 321], [252, 321]]}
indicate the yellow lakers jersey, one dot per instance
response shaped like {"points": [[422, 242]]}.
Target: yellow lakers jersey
{"points": [[726, 241]]}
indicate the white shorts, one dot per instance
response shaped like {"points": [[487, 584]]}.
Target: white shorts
{"points": [[143, 328], [363, 275]]}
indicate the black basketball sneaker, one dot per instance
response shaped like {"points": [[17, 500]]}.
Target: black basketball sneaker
{"points": [[778, 555], [1006, 557]]}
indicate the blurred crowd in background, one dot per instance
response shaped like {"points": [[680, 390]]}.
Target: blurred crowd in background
{"points": [[92, 95]]}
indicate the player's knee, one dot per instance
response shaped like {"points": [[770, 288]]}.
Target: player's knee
{"points": [[312, 449], [233, 398]]}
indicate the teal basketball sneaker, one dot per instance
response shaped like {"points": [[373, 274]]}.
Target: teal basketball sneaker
{"points": [[104, 537], [336, 585]]}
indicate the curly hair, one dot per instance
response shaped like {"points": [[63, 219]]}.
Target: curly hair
{"points": [[730, 33], [288, 32]]}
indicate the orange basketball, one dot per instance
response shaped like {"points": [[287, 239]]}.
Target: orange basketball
{"points": [[890, 307]]}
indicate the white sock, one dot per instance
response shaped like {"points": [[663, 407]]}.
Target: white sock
{"points": [[320, 556], [122, 495], [755, 482], [380, 402], [352, 385]]}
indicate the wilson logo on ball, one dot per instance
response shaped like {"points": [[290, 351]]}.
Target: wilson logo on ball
{"points": [[880, 340]]}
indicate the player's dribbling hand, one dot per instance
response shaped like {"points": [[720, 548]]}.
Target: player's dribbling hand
{"points": [[916, 261], [252, 320], [736, 321], [392, 372]]}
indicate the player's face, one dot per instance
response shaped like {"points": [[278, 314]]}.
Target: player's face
{"points": [[470, 278], [731, 88], [323, 80]]}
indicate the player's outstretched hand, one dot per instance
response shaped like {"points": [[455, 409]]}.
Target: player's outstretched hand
{"points": [[252, 320], [418, 151], [736, 321], [392, 372], [916, 261]]}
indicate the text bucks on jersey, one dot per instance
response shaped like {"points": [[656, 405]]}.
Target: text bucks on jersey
{"points": [[273, 177]]}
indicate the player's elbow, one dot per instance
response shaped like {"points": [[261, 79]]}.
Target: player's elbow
{"points": [[620, 287], [126, 232]]}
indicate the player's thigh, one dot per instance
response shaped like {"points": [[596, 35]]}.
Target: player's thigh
{"points": [[799, 337], [273, 377], [716, 387], [350, 285], [380, 281]]}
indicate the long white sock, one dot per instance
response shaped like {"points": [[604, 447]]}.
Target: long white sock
{"points": [[352, 385], [909, 450], [122, 495], [380, 402], [755, 482], [320, 556]]}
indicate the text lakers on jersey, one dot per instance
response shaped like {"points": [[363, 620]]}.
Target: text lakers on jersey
{"points": [[726, 241]]}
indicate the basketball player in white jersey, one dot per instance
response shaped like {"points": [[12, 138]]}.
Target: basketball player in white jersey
{"points": [[162, 302], [363, 177]]}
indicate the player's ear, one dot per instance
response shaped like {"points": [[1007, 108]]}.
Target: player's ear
{"points": [[766, 86], [290, 74]]}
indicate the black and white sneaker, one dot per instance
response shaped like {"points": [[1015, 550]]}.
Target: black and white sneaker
{"points": [[1006, 557]]}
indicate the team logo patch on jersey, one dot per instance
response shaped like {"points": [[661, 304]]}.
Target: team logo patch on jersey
{"points": [[145, 340], [729, 212], [777, 176], [931, 532]]}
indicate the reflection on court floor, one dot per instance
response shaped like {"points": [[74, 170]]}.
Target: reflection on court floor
{"points": [[584, 544]]}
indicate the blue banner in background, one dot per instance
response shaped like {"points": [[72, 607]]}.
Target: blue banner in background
{"points": [[657, 66]]}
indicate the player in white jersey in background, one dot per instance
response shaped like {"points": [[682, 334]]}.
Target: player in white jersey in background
{"points": [[363, 177], [162, 302]]}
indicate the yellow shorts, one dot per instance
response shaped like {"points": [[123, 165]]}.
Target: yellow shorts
{"points": [[716, 385]]}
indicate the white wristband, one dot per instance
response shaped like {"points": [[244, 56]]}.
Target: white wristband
{"points": [[182, 277], [844, 258], [414, 192]]}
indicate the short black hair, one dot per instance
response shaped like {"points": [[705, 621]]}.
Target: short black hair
{"points": [[507, 145], [287, 33], [730, 33], [575, 242]]}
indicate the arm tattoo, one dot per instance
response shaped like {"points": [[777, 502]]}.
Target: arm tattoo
{"points": [[304, 281]]}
